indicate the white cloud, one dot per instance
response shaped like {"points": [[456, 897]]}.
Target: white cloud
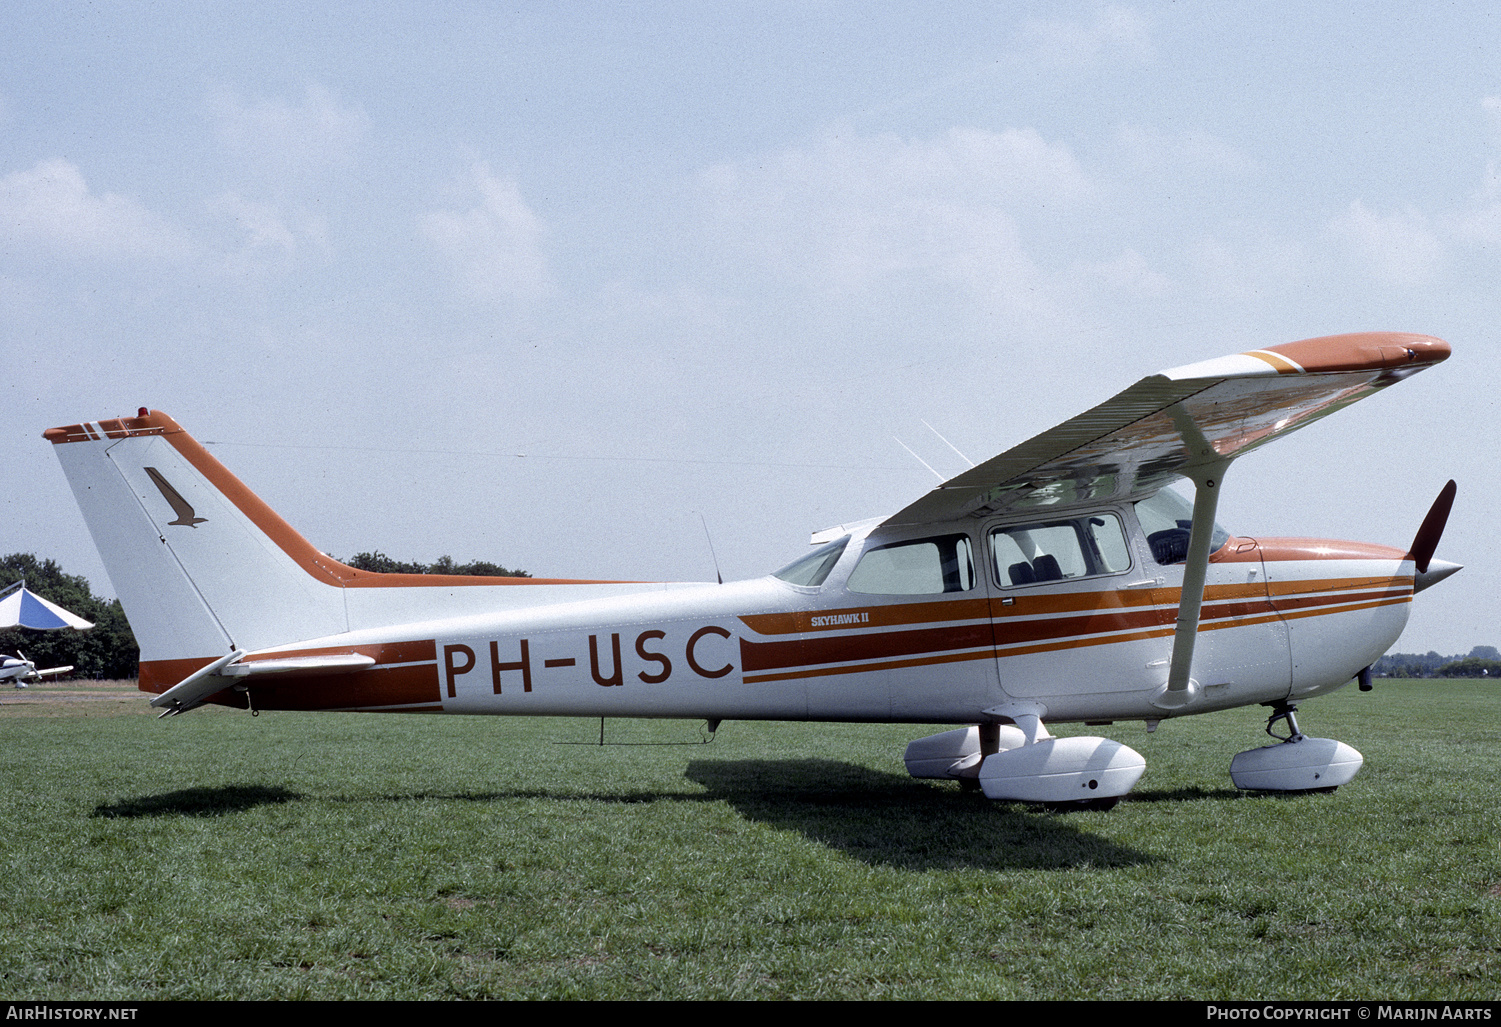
{"points": [[856, 212], [1146, 147], [289, 142], [1492, 107], [1398, 249], [262, 223], [495, 247], [51, 208], [266, 237], [1130, 274], [1114, 33]]}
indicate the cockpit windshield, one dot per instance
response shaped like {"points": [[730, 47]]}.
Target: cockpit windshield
{"points": [[1167, 518], [811, 570]]}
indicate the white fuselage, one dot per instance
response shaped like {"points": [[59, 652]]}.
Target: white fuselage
{"points": [[1281, 619]]}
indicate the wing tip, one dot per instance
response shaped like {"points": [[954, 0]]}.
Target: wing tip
{"points": [[1357, 351]]}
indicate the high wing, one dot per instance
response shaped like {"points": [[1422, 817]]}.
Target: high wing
{"points": [[1179, 422], [1187, 422]]}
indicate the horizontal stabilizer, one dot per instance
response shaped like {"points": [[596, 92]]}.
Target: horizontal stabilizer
{"points": [[301, 665], [234, 668]]}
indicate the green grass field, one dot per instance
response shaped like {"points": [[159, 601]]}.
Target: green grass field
{"points": [[358, 856]]}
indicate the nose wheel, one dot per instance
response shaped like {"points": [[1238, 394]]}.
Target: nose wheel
{"points": [[1297, 763]]}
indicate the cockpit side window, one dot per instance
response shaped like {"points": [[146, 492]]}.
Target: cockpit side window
{"points": [[1078, 547], [811, 570], [926, 566]]}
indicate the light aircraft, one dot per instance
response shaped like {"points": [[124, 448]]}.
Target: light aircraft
{"points": [[21, 672], [1057, 582]]}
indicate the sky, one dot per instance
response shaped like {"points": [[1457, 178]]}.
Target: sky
{"points": [[588, 288]]}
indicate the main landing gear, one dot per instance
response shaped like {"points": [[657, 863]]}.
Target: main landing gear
{"points": [[1021, 762], [1297, 763]]}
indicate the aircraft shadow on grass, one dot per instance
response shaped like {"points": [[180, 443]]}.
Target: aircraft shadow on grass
{"points": [[198, 802], [891, 820], [1195, 793]]}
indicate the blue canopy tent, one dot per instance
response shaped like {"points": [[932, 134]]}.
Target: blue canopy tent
{"points": [[24, 608]]}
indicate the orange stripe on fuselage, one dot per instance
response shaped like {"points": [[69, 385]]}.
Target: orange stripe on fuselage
{"points": [[1050, 623], [156, 676]]}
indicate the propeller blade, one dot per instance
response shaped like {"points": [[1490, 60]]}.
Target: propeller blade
{"points": [[1426, 540]]}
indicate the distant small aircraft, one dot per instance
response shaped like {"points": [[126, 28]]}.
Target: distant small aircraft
{"points": [[1060, 581], [21, 672]]}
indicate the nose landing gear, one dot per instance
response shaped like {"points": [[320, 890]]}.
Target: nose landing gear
{"points": [[1289, 713], [1297, 763]]}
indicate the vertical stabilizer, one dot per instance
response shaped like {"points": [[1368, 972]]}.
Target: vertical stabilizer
{"points": [[200, 564]]}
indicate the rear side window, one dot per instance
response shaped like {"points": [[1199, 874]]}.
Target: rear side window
{"points": [[927, 566], [1079, 547]]}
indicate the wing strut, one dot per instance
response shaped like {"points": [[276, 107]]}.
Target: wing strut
{"points": [[1207, 477]]}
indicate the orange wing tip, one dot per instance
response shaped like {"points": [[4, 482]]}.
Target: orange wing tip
{"points": [[149, 422], [1364, 351], [1361, 351]]}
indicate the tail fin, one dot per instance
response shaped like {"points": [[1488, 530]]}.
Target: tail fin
{"points": [[201, 565]]}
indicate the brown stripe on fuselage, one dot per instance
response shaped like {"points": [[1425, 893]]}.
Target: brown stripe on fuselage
{"points": [[1299, 601], [1057, 646], [1401, 583], [156, 676], [756, 656], [1022, 631], [391, 686]]}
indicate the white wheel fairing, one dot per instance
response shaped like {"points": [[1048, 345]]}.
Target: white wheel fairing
{"points": [[948, 754], [1306, 765], [1078, 769]]}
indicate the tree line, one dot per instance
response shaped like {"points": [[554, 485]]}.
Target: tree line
{"points": [[383, 564], [109, 649], [1483, 661]]}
